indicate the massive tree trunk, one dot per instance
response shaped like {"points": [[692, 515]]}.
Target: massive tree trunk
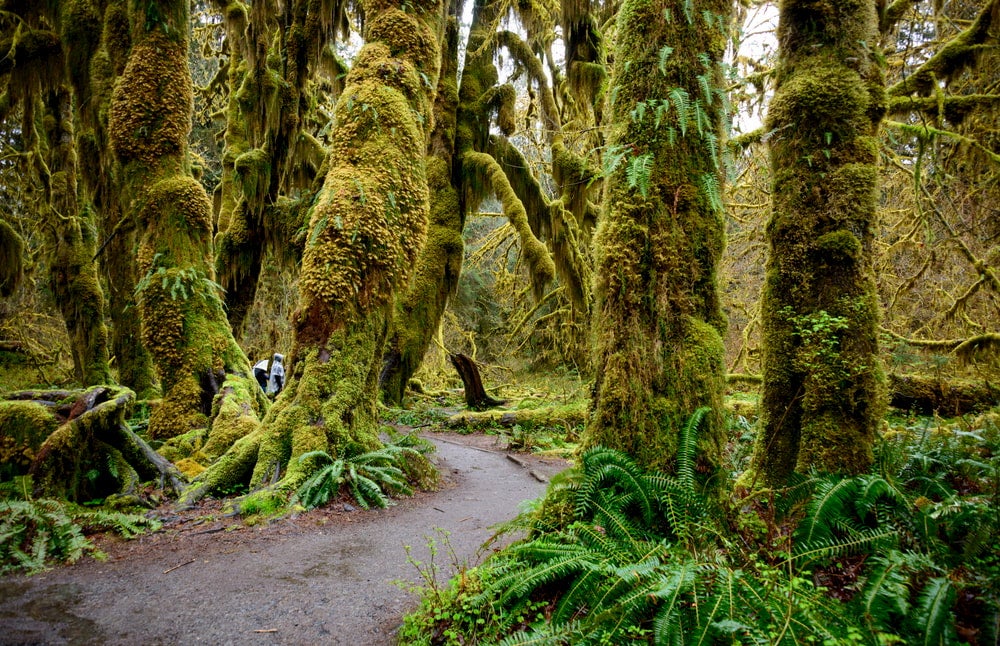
{"points": [[658, 321], [183, 322], [418, 311], [366, 229], [824, 391]]}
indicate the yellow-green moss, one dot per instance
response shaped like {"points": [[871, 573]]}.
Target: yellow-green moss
{"points": [[24, 426], [156, 76]]}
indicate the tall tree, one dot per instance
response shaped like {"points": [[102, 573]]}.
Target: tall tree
{"points": [[658, 321], [184, 325], [823, 392], [365, 231]]}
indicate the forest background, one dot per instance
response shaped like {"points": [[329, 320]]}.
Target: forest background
{"points": [[163, 161]]}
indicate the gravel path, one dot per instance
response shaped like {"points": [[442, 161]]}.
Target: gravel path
{"points": [[322, 578]]}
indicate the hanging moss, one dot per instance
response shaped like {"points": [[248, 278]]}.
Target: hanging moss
{"points": [[824, 391], [11, 259]]}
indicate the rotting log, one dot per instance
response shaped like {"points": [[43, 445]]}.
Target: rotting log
{"points": [[88, 450], [924, 394], [927, 394], [475, 394]]}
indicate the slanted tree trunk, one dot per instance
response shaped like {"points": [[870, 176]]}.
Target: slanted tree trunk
{"points": [[365, 232], [418, 311], [658, 321], [183, 322], [824, 391], [475, 394]]}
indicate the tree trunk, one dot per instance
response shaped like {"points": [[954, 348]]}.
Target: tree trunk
{"points": [[184, 325], [73, 272], [418, 311], [658, 321], [475, 394], [824, 391], [365, 232]]}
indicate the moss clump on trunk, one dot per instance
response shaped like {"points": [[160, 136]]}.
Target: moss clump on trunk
{"points": [[823, 392], [658, 323]]}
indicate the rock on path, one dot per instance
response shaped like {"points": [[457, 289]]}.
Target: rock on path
{"points": [[331, 584]]}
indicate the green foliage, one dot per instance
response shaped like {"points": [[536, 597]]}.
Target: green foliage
{"points": [[369, 477], [638, 173], [34, 533], [926, 524]]}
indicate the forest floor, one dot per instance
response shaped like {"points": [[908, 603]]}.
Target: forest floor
{"points": [[321, 577]]}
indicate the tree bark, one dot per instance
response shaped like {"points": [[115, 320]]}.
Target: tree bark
{"points": [[475, 394], [184, 325], [824, 390], [658, 321]]}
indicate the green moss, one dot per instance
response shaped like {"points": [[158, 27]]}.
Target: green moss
{"points": [[658, 320], [26, 425], [11, 259], [823, 390]]}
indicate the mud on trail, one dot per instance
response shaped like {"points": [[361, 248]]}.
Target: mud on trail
{"points": [[323, 577]]}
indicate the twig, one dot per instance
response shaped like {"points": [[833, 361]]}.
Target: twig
{"points": [[176, 567]]}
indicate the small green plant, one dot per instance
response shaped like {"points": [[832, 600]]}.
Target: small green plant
{"points": [[369, 477], [34, 533]]}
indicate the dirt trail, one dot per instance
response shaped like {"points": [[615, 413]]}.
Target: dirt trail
{"points": [[322, 578]]}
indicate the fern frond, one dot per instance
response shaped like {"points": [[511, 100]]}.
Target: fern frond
{"points": [[832, 547], [687, 448], [932, 613], [639, 172], [886, 591]]}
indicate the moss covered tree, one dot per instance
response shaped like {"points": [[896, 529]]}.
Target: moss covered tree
{"points": [[658, 322], [274, 59], [183, 323], [365, 231], [40, 44], [823, 391]]}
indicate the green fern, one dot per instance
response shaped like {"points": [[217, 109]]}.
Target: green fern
{"points": [[639, 171], [367, 476], [681, 101]]}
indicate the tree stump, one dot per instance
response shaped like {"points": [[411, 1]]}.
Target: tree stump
{"points": [[475, 395], [88, 450]]}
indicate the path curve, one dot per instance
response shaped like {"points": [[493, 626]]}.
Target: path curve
{"points": [[326, 584]]}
